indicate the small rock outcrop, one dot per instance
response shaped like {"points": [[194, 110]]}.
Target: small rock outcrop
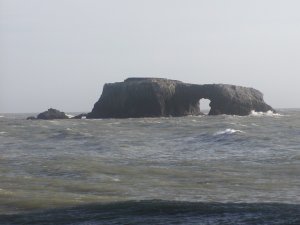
{"points": [[156, 97], [50, 114]]}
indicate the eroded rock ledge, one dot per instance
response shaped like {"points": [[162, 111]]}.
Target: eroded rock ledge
{"points": [[156, 97]]}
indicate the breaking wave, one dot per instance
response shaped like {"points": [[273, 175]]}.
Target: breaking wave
{"points": [[268, 113], [69, 115]]}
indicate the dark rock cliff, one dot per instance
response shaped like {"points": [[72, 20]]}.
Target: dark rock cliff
{"points": [[155, 97]]}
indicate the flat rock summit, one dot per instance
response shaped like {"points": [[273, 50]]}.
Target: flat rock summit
{"points": [[158, 97]]}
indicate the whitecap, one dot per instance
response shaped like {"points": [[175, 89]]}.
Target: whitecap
{"points": [[268, 113], [228, 131], [156, 122], [114, 123], [115, 179], [3, 132], [53, 122]]}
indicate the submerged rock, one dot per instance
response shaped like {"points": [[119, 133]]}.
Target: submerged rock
{"points": [[156, 97]]}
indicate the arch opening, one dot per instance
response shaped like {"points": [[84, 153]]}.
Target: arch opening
{"points": [[204, 106]]}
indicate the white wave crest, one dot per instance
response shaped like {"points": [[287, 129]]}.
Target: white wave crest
{"points": [[228, 131], [69, 115], [268, 113]]}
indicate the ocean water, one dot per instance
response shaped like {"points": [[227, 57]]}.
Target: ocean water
{"points": [[185, 170]]}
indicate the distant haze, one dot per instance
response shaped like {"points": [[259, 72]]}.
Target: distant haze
{"points": [[59, 53]]}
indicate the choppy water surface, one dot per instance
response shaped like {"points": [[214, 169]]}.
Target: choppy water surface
{"points": [[187, 170]]}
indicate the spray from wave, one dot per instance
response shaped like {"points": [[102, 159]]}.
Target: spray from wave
{"points": [[70, 115]]}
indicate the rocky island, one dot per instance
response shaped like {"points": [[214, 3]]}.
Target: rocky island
{"points": [[158, 97]]}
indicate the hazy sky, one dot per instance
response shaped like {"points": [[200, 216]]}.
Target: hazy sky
{"points": [[59, 53]]}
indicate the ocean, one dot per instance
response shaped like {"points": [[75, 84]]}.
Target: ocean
{"points": [[176, 170]]}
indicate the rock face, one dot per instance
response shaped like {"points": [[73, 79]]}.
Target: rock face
{"points": [[155, 97], [52, 114]]}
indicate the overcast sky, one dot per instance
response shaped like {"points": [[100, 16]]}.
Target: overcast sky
{"points": [[59, 53]]}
